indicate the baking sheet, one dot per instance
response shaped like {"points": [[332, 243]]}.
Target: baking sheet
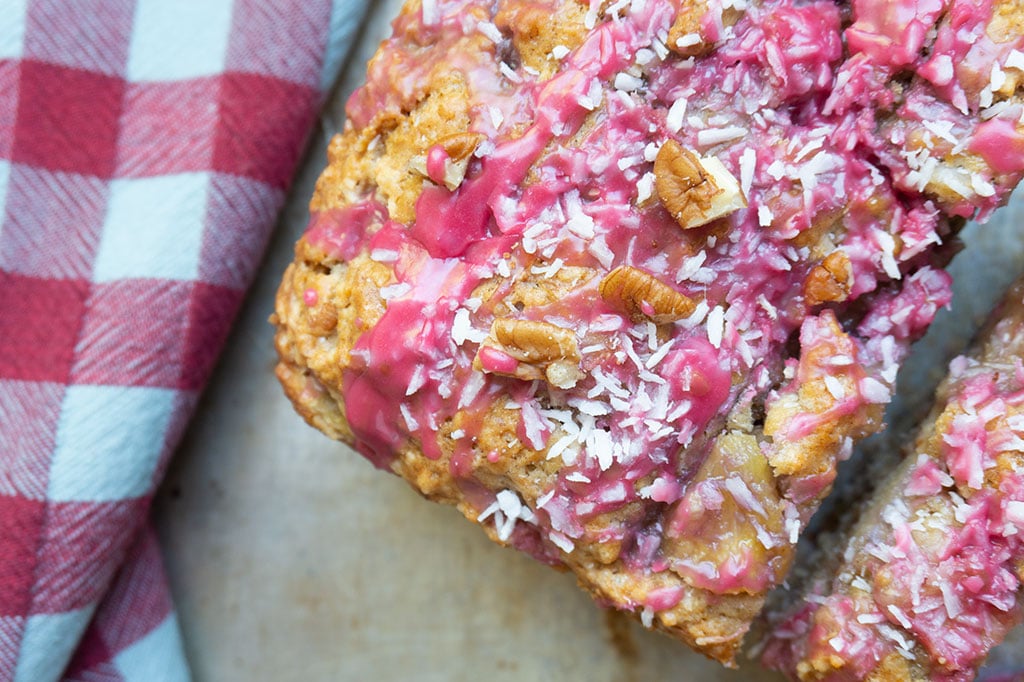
{"points": [[291, 558]]}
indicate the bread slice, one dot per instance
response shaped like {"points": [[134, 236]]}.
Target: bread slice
{"points": [[622, 281], [926, 581]]}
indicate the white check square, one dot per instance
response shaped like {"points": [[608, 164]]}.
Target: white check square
{"points": [[153, 228], [12, 29], [48, 643], [157, 657], [5, 174], [109, 440], [179, 40]]}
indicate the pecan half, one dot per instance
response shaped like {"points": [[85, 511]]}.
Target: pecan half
{"points": [[529, 350], [643, 296], [829, 282], [693, 189]]}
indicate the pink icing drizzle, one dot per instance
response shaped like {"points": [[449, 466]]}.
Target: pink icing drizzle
{"points": [[815, 150]]}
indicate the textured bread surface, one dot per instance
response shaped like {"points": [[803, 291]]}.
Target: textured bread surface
{"points": [[924, 581], [623, 281]]}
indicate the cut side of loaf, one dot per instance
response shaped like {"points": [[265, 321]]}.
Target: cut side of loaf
{"points": [[927, 579], [623, 281]]}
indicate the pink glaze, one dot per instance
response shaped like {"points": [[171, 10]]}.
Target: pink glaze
{"points": [[740, 572], [967, 455], [892, 33], [310, 297], [497, 362], [664, 598], [999, 143], [927, 479], [952, 600], [782, 107], [436, 160], [345, 244]]}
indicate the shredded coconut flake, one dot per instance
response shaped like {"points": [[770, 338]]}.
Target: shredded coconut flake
{"points": [[497, 117], [716, 326], [874, 391], [417, 380], [748, 166], [410, 421], [676, 115], [562, 542], [628, 83], [835, 387], [744, 497], [659, 355], [395, 291], [491, 31], [431, 15], [462, 329], [645, 188], [900, 617], [713, 136]]}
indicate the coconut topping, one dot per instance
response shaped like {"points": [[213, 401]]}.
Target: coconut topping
{"points": [[932, 573], [658, 381]]}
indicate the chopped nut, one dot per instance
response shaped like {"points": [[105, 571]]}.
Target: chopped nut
{"points": [[685, 37], [829, 282], [695, 190], [563, 374], [529, 350], [323, 319], [533, 341], [452, 161], [644, 297], [688, 37]]}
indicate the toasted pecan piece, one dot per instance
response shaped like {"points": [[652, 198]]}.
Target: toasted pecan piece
{"points": [[829, 281], [644, 296], [529, 350], [695, 190]]}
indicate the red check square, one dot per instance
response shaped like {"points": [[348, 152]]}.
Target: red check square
{"points": [[264, 122], [21, 525], [67, 119], [10, 73], [39, 326], [207, 330]]}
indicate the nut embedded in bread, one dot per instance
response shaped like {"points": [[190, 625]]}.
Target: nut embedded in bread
{"points": [[634, 328]]}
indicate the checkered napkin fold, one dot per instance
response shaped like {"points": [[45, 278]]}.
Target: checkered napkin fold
{"points": [[145, 150]]}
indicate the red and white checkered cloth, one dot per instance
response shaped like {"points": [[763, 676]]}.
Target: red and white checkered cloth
{"points": [[145, 149]]}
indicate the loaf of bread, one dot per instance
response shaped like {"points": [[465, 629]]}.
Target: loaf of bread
{"points": [[623, 280], [925, 581]]}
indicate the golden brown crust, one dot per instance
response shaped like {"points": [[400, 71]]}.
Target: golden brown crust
{"points": [[450, 97]]}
